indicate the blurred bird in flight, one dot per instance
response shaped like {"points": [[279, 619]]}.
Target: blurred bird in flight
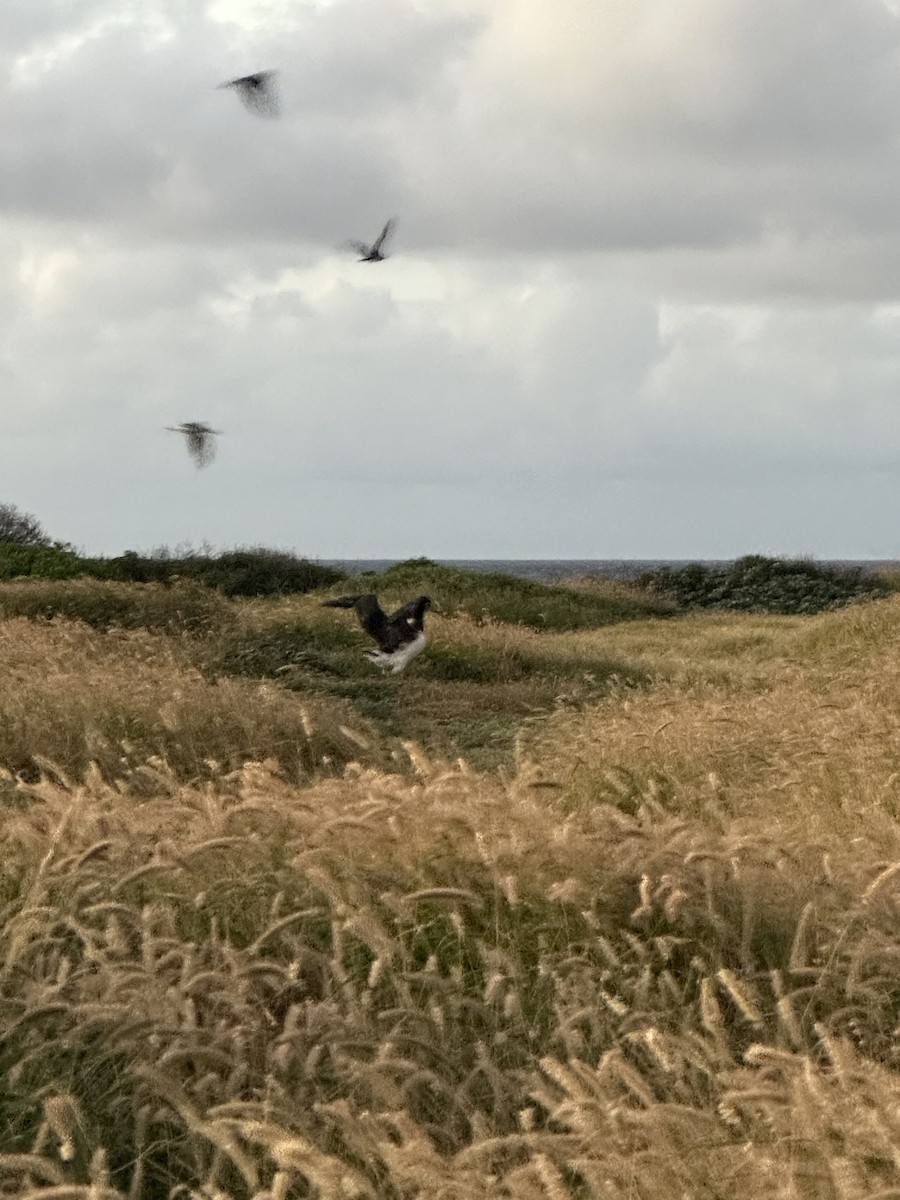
{"points": [[374, 253], [258, 93], [200, 443]]}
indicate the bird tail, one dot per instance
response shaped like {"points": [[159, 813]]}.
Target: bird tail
{"points": [[340, 602]]}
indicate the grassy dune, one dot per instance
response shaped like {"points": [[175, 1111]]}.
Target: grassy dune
{"points": [[605, 912]]}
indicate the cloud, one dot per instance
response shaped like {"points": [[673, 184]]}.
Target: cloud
{"points": [[643, 288], [588, 126]]}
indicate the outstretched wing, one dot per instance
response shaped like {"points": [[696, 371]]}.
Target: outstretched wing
{"points": [[371, 615], [341, 602], [200, 440], [359, 247], [258, 93], [384, 235]]}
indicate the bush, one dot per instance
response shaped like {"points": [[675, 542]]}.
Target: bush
{"points": [[759, 584], [249, 571], [492, 595], [246, 571], [255, 571], [43, 562], [131, 567]]}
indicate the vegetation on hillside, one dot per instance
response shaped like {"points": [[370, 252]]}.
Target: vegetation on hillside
{"points": [[759, 584], [599, 913], [184, 607], [650, 960], [40, 562], [26, 550], [494, 596], [468, 695], [246, 571], [754, 583]]}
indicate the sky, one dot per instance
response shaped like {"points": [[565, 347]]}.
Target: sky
{"points": [[643, 299]]}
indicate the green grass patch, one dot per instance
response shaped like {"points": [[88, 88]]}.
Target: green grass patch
{"points": [[464, 696], [183, 607], [493, 596]]}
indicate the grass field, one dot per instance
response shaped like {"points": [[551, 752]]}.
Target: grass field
{"points": [[602, 910]]}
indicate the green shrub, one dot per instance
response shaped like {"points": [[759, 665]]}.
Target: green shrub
{"points": [[132, 567], [44, 562], [494, 596], [759, 584], [246, 571], [255, 571], [183, 607]]}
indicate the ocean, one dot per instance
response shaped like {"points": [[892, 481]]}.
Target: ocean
{"points": [[548, 569]]}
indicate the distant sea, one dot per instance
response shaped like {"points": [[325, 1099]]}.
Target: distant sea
{"points": [[547, 569]]}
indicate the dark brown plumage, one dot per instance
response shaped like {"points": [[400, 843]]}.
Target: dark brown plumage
{"points": [[374, 253], [199, 437], [399, 636]]}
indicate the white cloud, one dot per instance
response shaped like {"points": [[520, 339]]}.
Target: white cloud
{"points": [[643, 297]]}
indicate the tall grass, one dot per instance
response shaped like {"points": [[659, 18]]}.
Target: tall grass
{"points": [[262, 990], [654, 956], [183, 607], [130, 702]]}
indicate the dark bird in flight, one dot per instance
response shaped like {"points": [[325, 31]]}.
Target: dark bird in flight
{"points": [[258, 93], [200, 444], [373, 253], [400, 636]]}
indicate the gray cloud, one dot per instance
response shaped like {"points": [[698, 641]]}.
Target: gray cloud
{"points": [[642, 300]]}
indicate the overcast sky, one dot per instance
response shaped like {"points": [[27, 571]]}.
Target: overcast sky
{"points": [[643, 298]]}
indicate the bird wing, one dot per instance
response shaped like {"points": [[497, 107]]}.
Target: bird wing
{"points": [[371, 615], [384, 235], [359, 247], [341, 602], [200, 441], [374, 619], [258, 92]]}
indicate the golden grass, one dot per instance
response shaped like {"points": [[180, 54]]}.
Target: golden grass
{"points": [[806, 738], [655, 958], [504, 998], [76, 696]]}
